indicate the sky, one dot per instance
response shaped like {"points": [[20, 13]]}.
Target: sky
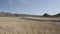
{"points": [[33, 7]]}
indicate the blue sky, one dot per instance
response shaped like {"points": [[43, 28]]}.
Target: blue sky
{"points": [[34, 7]]}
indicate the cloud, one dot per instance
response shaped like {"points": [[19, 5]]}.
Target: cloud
{"points": [[11, 2]]}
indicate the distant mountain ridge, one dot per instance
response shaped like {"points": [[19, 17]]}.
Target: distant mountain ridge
{"points": [[57, 15], [6, 14], [47, 15]]}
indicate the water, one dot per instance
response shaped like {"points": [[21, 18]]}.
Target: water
{"points": [[46, 21]]}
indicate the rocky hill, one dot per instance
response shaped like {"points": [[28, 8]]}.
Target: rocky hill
{"points": [[47, 15]]}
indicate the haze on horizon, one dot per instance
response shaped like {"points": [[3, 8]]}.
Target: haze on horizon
{"points": [[34, 7]]}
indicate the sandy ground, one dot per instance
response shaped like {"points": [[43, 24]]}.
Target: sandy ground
{"points": [[13, 25]]}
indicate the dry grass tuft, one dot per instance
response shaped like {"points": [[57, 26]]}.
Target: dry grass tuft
{"points": [[9, 25]]}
